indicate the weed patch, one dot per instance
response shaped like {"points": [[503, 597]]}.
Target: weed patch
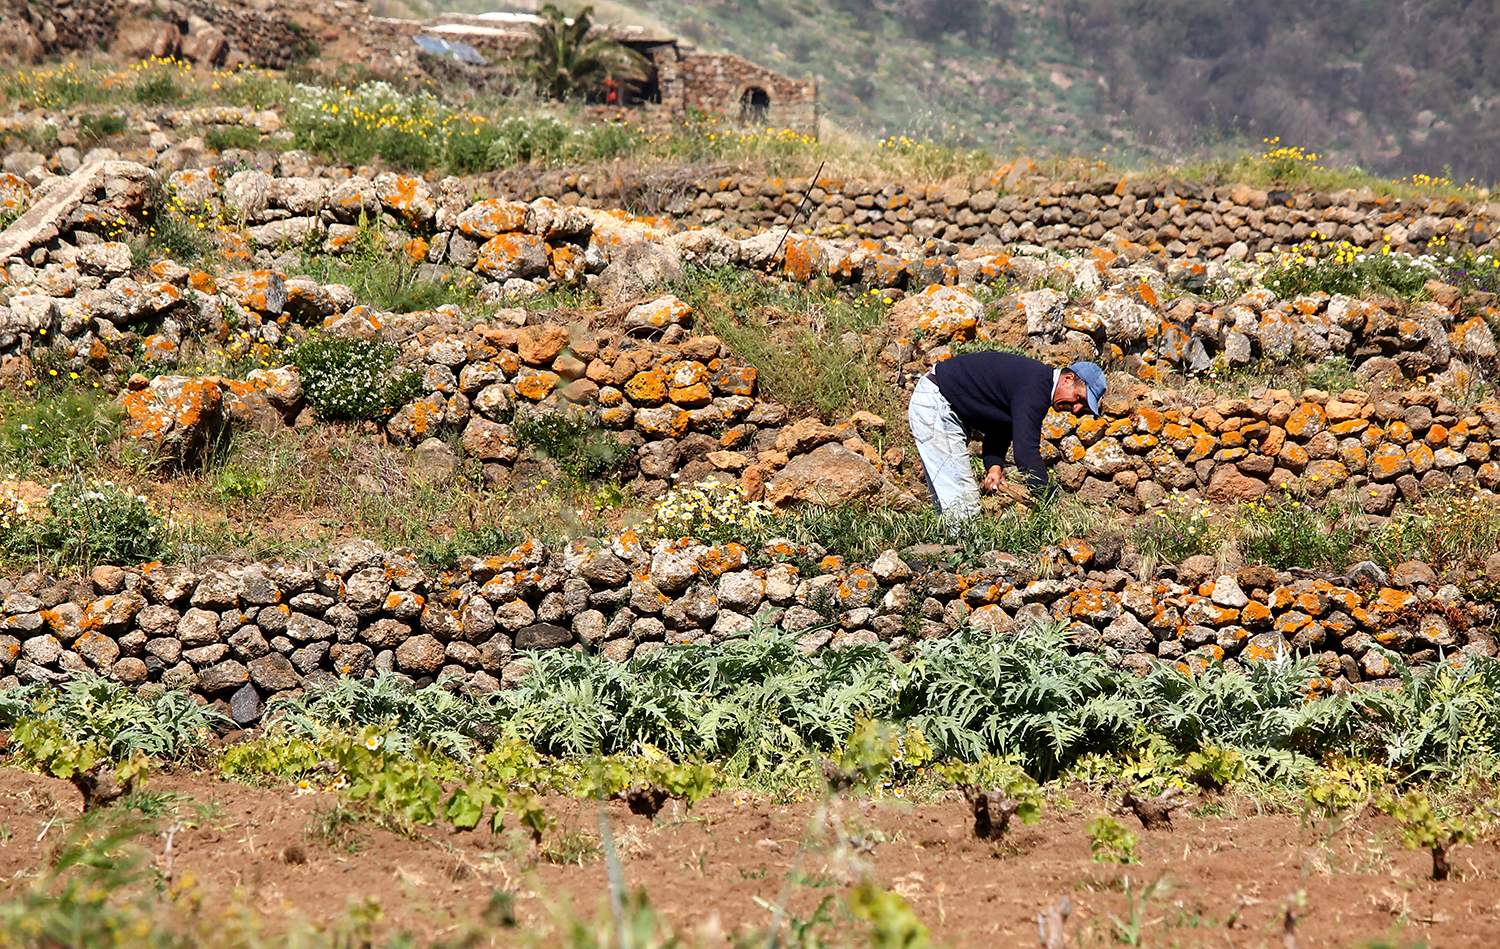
{"points": [[63, 430], [222, 137], [797, 342], [91, 522], [1285, 530]]}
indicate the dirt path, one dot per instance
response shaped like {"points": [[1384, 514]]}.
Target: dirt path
{"points": [[1223, 881]]}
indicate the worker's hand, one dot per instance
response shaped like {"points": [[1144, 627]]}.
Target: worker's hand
{"points": [[993, 479]]}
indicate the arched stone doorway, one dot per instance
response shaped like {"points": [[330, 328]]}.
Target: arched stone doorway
{"points": [[755, 105]]}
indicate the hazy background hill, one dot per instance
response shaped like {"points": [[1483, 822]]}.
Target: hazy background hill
{"points": [[1397, 86]]}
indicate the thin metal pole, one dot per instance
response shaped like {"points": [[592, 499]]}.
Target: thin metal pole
{"points": [[800, 205]]}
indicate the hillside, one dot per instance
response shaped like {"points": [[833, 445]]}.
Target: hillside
{"points": [[1397, 88]]}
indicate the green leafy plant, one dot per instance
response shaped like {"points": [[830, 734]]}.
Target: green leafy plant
{"points": [[872, 753], [350, 378], [46, 744], [573, 439], [278, 754], [1214, 768], [893, 924], [98, 127], [997, 790], [1110, 842], [1425, 828]]}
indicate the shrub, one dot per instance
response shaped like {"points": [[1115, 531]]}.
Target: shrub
{"points": [[1110, 842], [373, 118], [92, 522], [613, 139], [1332, 374], [176, 233], [253, 87], [1458, 527], [521, 140], [120, 723], [469, 148], [1286, 162], [573, 439], [351, 378], [67, 429]]}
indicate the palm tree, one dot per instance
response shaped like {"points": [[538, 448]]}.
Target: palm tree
{"points": [[564, 62]]}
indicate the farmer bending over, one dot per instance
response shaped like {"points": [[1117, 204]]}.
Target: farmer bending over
{"points": [[1004, 397]]}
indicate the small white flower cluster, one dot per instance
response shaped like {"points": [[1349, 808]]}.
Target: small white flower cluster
{"points": [[13, 510], [705, 509]]}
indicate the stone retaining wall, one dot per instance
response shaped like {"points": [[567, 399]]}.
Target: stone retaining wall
{"points": [[1170, 216], [238, 633], [1110, 311]]}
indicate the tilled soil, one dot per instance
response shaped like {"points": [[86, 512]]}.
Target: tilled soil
{"points": [[714, 870]]}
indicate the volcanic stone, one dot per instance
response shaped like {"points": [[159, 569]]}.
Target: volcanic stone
{"points": [[543, 636]]}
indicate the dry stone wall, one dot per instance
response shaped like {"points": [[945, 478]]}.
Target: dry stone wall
{"points": [[239, 633], [1170, 216]]}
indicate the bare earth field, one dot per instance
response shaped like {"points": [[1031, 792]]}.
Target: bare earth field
{"points": [[1223, 880]]}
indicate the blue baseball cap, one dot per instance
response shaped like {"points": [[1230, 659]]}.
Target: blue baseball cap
{"points": [[1093, 379]]}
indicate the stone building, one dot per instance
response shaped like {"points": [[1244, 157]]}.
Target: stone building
{"points": [[680, 77]]}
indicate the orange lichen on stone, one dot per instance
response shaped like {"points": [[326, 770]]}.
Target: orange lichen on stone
{"points": [[1305, 421], [490, 218], [802, 258], [566, 263], [647, 388], [735, 380], [1390, 600], [537, 386], [725, 558]]}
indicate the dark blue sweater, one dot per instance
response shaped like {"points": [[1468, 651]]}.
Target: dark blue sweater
{"points": [[1004, 397]]}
